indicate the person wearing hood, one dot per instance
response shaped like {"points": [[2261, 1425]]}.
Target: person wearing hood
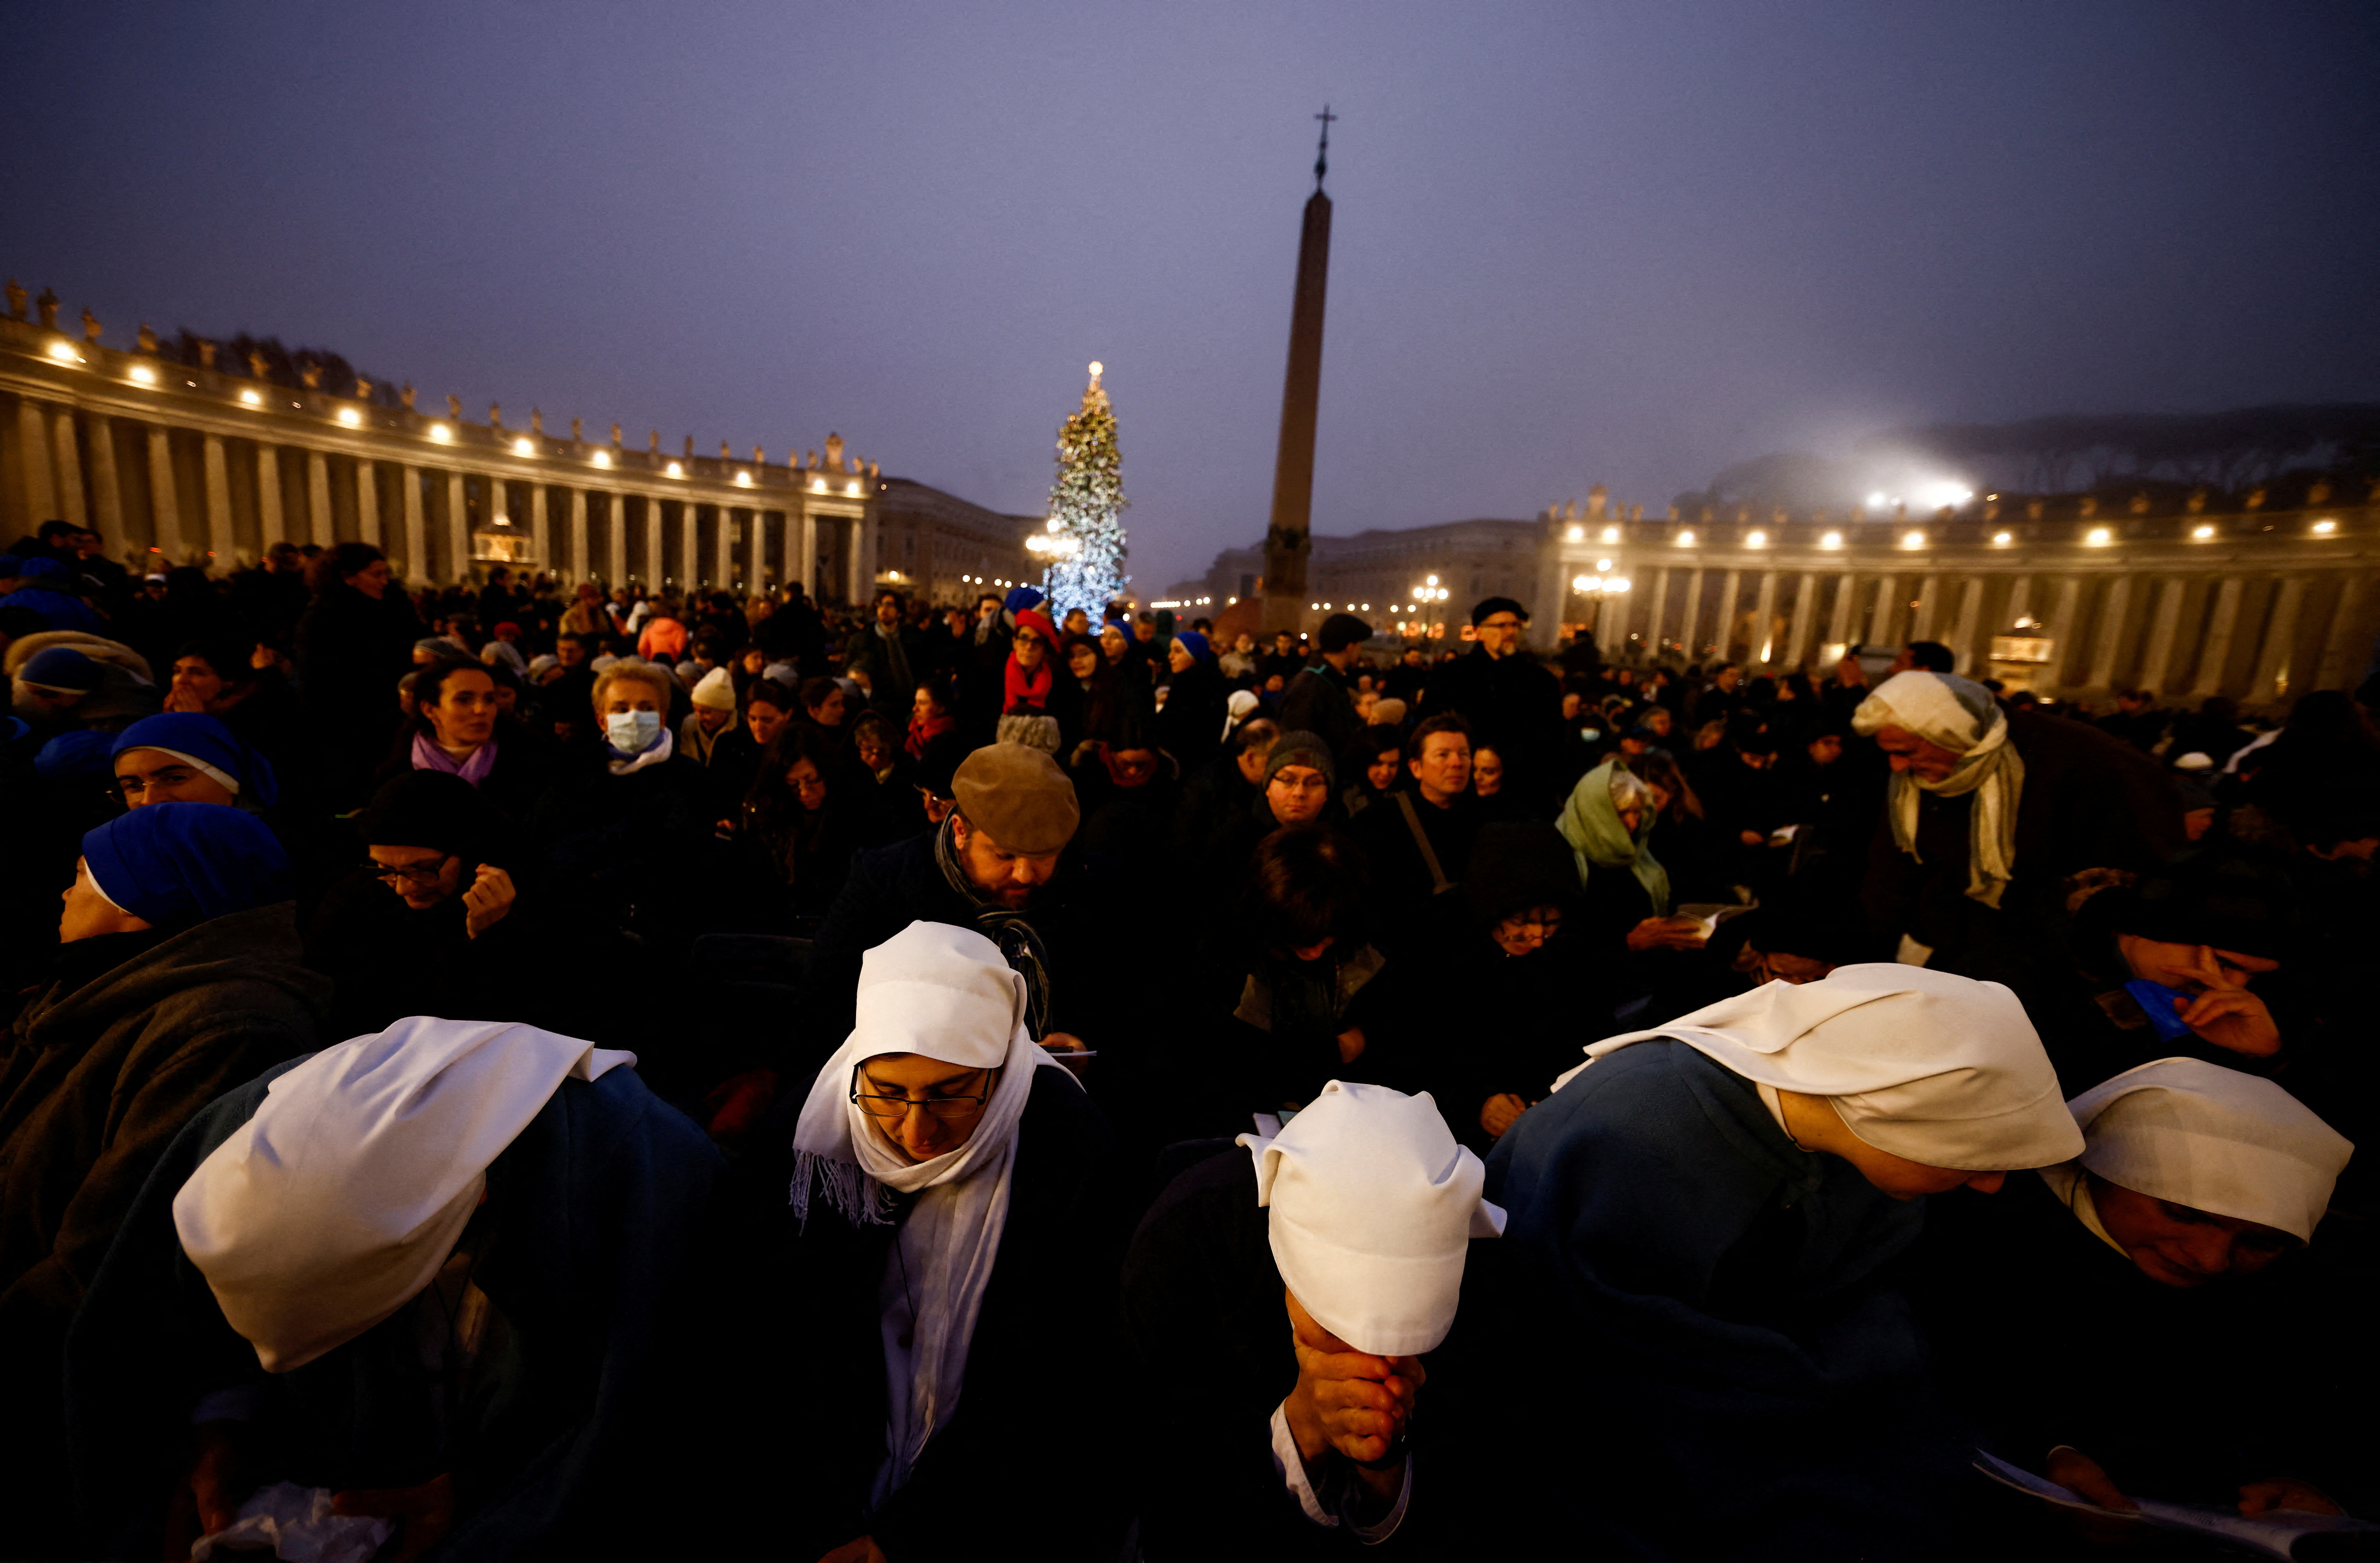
{"points": [[186, 757], [430, 1270], [176, 978], [1624, 901], [1988, 811], [946, 1196], [1709, 1210], [68, 683], [44, 586], [432, 922], [1300, 1295], [1190, 725], [2112, 1322]]}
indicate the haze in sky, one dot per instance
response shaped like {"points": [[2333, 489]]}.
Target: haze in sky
{"points": [[1625, 243]]}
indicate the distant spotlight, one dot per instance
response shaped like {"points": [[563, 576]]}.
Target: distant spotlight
{"points": [[603, 458], [2099, 536], [1832, 540], [1685, 540], [1876, 501], [349, 417], [2203, 533], [1611, 534], [144, 374], [674, 470], [1756, 540], [251, 398], [2323, 529], [62, 351], [441, 433], [817, 485], [1429, 580], [2003, 539], [744, 478], [522, 447], [1619, 585], [1576, 534], [1913, 540], [1604, 566], [1583, 583]]}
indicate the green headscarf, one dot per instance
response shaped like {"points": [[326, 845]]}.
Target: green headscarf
{"points": [[1590, 823]]}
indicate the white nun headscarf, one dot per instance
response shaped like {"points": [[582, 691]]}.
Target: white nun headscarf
{"points": [[1372, 1208], [1959, 715], [2208, 1137], [336, 1203], [1933, 1068], [944, 993]]}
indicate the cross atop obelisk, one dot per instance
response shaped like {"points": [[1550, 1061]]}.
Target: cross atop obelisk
{"points": [[1286, 542]]}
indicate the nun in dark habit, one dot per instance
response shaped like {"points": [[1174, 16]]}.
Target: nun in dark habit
{"points": [[2143, 1321], [927, 1395], [1703, 1219], [426, 1270]]}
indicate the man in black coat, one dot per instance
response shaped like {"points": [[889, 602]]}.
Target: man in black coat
{"points": [[1320, 700], [892, 656], [1512, 703]]}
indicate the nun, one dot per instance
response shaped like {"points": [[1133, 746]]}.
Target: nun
{"points": [[939, 1281], [422, 1271], [1292, 1296], [2145, 1319], [188, 757], [1703, 1219]]}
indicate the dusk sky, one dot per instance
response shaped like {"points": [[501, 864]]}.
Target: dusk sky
{"points": [[1630, 243]]}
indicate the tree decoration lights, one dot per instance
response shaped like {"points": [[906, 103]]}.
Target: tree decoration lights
{"points": [[1085, 543]]}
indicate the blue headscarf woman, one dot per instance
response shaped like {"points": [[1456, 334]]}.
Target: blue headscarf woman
{"points": [[188, 756]]}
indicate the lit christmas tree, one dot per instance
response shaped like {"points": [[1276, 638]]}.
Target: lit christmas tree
{"points": [[1085, 543]]}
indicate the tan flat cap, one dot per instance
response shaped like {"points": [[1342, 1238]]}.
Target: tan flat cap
{"points": [[1016, 795]]}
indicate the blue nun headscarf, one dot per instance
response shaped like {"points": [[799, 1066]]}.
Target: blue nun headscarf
{"points": [[203, 741], [181, 862]]}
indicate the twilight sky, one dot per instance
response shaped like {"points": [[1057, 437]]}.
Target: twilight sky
{"points": [[1624, 242]]}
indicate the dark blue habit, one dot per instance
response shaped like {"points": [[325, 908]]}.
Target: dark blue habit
{"points": [[581, 1243], [1718, 1364]]}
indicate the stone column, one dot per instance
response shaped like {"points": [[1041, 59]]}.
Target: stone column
{"points": [[1727, 592], [1611, 627], [652, 544], [417, 528], [218, 478], [615, 539], [723, 548], [2280, 639], [858, 569], [689, 542], [271, 528], [458, 530], [1839, 618], [2336, 645], [367, 503], [1879, 622], [2157, 657], [2066, 621], [106, 491], [539, 545], [1797, 629], [756, 552], [807, 572], [69, 469], [1655, 615], [318, 497], [580, 565], [2109, 643], [2020, 600], [1962, 634], [2216, 650], [1929, 601], [1763, 645], [164, 504], [1688, 636], [33, 443]]}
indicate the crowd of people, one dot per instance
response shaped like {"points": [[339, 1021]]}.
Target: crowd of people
{"points": [[501, 1072]]}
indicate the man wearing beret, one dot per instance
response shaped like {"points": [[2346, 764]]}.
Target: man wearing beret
{"points": [[1512, 702], [177, 978], [999, 863]]}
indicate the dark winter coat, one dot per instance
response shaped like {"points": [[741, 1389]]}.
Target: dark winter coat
{"points": [[1513, 704]]}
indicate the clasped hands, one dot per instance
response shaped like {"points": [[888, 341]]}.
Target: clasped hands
{"points": [[1351, 1401]]}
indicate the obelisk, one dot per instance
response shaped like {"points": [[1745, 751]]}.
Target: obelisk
{"points": [[1286, 539]]}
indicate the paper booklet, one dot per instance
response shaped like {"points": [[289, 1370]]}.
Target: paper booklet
{"points": [[2282, 1533], [1711, 914]]}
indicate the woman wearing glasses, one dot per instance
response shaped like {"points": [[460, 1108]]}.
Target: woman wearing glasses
{"points": [[939, 1238]]}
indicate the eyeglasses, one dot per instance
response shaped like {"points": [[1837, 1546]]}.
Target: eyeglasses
{"points": [[947, 1109], [412, 873], [130, 787]]}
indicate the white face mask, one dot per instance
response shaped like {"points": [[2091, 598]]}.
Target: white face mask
{"points": [[632, 732]]}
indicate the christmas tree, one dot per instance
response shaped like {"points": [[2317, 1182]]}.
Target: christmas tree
{"points": [[1086, 543]]}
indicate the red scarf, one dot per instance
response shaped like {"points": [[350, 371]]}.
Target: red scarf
{"points": [[1028, 689], [925, 729]]}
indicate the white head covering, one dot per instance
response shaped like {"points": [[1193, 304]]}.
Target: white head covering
{"points": [[1936, 1069], [2208, 1137], [1961, 716], [1373, 1206], [944, 993], [335, 1205]]}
